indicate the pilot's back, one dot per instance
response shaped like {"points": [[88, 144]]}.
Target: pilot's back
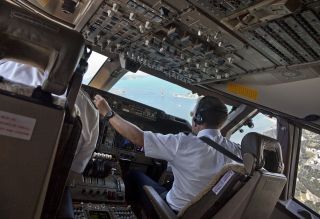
{"points": [[195, 164]]}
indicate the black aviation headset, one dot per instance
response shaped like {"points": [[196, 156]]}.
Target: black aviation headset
{"points": [[206, 104]]}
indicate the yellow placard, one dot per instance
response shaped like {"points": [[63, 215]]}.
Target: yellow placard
{"points": [[242, 90], [43, 3]]}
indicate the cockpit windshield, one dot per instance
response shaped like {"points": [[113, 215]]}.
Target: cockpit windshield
{"points": [[155, 92]]}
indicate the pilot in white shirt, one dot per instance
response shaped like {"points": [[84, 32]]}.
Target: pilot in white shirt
{"points": [[89, 116], [192, 161]]}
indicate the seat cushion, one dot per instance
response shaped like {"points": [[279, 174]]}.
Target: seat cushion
{"points": [[214, 186]]}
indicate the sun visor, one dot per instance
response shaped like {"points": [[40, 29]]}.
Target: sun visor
{"points": [[30, 39]]}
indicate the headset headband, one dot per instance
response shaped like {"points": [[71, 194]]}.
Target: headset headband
{"points": [[218, 109]]}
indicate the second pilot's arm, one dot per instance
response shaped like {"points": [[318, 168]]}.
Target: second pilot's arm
{"points": [[89, 134]]}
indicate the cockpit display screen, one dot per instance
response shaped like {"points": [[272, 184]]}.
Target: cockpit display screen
{"points": [[123, 143], [99, 215]]}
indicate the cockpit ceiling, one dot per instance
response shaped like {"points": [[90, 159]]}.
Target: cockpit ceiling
{"points": [[202, 41]]}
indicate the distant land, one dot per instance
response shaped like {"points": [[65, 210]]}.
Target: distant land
{"points": [[187, 96]]}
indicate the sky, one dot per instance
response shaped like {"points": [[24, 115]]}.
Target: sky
{"points": [[95, 62]]}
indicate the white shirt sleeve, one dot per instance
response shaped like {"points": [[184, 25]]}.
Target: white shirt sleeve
{"points": [[161, 146], [89, 135], [237, 150], [21, 73]]}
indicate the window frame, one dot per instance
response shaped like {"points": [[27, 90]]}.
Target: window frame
{"points": [[295, 175], [233, 131]]}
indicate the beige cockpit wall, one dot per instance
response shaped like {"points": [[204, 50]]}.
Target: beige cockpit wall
{"points": [[298, 98]]}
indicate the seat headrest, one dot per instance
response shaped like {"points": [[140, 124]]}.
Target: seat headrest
{"points": [[260, 151], [30, 39]]}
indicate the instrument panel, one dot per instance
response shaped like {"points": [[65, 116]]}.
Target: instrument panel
{"points": [[102, 211]]}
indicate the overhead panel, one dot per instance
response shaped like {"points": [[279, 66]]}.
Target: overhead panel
{"points": [[183, 43], [195, 42], [201, 41], [223, 8], [259, 13]]}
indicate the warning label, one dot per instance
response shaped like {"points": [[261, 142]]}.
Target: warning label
{"points": [[16, 126], [222, 182]]}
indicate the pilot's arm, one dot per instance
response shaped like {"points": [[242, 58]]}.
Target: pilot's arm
{"points": [[125, 128], [155, 145]]}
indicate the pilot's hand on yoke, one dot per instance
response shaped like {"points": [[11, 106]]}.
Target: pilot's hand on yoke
{"points": [[122, 126], [102, 105]]}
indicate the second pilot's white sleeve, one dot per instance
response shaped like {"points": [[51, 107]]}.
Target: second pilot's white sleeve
{"points": [[89, 135], [22, 73], [161, 146]]}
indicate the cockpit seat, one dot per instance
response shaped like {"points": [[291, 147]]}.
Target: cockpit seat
{"points": [[31, 125], [245, 190]]}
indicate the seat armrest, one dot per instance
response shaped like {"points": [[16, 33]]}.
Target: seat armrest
{"points": [[161, 207]]}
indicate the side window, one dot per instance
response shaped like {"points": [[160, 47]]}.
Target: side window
{"points": [[307, 190], [261, 123]]}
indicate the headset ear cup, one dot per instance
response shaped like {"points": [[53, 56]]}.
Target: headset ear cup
{"points": [[198, 119]]}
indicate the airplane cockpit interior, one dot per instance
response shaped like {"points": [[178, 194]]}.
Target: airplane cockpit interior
{"points": [[260, 57]]}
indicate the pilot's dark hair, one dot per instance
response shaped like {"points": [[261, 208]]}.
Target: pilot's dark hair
{"points": [[210, 111]]}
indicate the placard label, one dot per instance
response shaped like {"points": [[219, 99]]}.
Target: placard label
{"points": [[16, 126], [222, 182]]}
